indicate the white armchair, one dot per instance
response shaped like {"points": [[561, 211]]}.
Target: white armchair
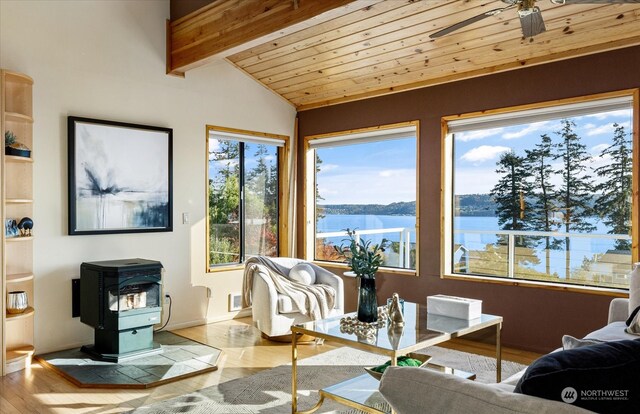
{"points": [[274, 313]]}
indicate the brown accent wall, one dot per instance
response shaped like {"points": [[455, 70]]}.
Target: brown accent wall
{"points": [[534, 318], [180, 8]]}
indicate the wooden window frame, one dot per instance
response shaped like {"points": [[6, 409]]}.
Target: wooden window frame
{"points": [[284, 153], [309, 199], [446, 182]]}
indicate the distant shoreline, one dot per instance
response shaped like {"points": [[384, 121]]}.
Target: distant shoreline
{"points": [[468, 205]]}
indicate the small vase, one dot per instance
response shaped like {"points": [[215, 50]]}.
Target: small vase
{"points": [[17, 302], [367, 301]]}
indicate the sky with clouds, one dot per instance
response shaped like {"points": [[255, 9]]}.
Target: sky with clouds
{"points": [[385, 172], [476, 152], [381, 172]]}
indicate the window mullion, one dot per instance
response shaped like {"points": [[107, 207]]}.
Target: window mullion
{"points": [[242, 198]]}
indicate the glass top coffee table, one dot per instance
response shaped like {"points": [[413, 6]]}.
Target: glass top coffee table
{"points": [[420, 330]]}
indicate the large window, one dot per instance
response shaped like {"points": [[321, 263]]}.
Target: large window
{"points": [[243, 185], [544, 194], [363, 181]]}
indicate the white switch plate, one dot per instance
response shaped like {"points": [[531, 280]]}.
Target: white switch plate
{"points": [[185, 218]]}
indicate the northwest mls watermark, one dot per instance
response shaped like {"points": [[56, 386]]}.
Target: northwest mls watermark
{"points": [[571, 395]]}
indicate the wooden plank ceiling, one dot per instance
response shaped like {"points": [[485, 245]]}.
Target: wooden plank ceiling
{"points": [[385, 47]]}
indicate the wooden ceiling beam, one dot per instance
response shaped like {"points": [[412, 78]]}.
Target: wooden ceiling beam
{"points": [[228, 26]]}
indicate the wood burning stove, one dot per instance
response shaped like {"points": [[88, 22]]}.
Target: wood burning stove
{"points": [[121, 300]]}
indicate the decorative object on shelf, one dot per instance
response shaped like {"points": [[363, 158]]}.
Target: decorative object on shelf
{"points": [[395, 310], [9, 138], [25, 225], [13, 147], [17, 302], [364, 259], [120, 177], [10, 228]]}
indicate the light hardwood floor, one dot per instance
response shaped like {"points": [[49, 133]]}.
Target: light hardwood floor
{"points": [[40, 390]]}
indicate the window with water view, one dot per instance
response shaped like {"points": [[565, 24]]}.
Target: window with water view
{"points": [[544, 196], [367, 182], [242, 199]]}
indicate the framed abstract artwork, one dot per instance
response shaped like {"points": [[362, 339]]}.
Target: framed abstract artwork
{"points": [[120, 177]]}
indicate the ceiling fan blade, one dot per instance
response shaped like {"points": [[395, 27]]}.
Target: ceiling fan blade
{"points": [[467, 22], [531, 22], [594, 1]]}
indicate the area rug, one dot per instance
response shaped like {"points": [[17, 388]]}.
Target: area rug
{"points": [[180, 358], [269, 391]]}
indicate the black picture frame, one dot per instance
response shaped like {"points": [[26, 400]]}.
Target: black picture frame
{"points": [[120, 177]]}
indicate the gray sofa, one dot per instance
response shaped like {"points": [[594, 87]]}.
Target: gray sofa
{"points": [[416, 390]]}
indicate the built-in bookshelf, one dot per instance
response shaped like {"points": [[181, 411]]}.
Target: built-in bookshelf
{"points": [[17, 329]]}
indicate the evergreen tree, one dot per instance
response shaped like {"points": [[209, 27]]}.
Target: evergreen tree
{"points": [[510, 192], [510, 195], [224, 188], [273, 189], [614, 201], [543, 205], [224, 202], [324, 249], [261, 192], [226, 154], [320, 213], [576, 190]]}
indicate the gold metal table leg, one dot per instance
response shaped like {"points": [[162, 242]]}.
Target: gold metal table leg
{"points": [[314, 408], [498, 353]]}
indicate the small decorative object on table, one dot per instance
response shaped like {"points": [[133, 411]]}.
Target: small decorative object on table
{"points": [[411, 360], [395, 329], [395, 311], [364, 260], [367, 332], [17, 302], [454, 307], [25, 225]]}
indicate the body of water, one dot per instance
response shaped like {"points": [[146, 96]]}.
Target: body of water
{"points": [[581, 248], [340, 222]]}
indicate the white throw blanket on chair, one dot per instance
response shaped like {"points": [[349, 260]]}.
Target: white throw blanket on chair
{"points": [[315, 301]]}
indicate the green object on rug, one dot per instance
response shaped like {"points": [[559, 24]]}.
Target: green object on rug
{"points": [[180, 357]]}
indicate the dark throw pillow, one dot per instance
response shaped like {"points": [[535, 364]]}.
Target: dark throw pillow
{"points": [[604, 378]]}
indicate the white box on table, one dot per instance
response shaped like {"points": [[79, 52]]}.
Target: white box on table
{"points": [[454, 307]]}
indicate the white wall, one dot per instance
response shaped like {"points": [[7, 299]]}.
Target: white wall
{"points": [[106, 60]]}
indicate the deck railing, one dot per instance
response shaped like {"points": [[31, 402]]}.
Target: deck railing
{"points": [[610, 265], [510, 251], [404, 241]]}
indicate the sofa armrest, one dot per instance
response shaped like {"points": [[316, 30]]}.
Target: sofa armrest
{"points": [[618, 310], [411, 390]]}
